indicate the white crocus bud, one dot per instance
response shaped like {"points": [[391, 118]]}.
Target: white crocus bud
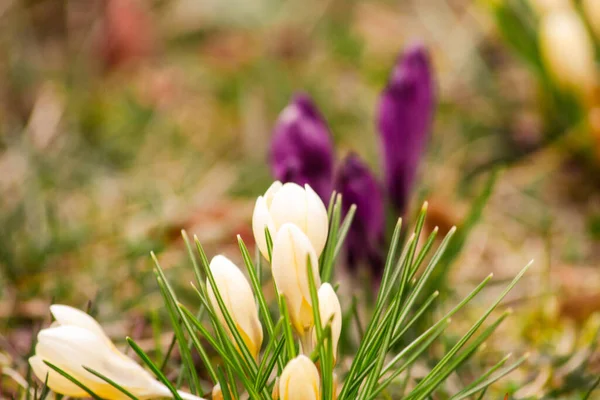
{"points": [[291, 251], [330, 309], [217, 394], [239, 301], [76, 340], [300, 380], [290, 203], [568, 52], [591, 9]]}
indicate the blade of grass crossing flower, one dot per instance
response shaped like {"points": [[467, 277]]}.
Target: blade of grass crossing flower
{"points": [[232, 327], [269, 241], [111, 383], [224, 347], [184, 350], [273, 346], [157, 372], [262, 302], [327, 260], [287, 329], [175, 315], [45, 390], [486, 383], [74, 380], [326, 363], [343, 231], [265, 372], [224, 384]]}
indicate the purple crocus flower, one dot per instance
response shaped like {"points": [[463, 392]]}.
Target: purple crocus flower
{"points": [[405, 115], [302, 148], [358, 186]]}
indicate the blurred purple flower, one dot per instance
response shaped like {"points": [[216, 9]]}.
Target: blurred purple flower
{"points": [[365, 238], [302, 148], [405, 114]]}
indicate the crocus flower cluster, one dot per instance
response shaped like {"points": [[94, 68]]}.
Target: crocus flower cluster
{"points": [[302, 152], [296, 219]]}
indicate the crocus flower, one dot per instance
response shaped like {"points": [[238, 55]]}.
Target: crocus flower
{"points": [[291, 250], [300, 380], [329, 309], [302, 148], [239, 302], [290, 203], [568, 52], [76, 340], [405, 114], [358, 186]]}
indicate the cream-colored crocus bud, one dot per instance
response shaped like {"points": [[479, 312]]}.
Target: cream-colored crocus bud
{"points": [[291, 251], [568, 52], [300, 380], [76, 340], [330, 309], [239, 301], [290, 203], [217, 394], [591, 8]]}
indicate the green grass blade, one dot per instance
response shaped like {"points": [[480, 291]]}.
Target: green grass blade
{"points": [[74, 380], [155, 370], [111, 383]]}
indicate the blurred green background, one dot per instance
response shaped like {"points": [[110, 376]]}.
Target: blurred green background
{"points": [[123, 122]]}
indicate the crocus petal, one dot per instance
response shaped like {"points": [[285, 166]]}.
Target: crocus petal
{"points": [[239, 301], [66, 315], [300, 380], [364, 241], [301, 148], [330, 309], [303, 208], [405, 114], [261, 219], [291, 249], [56, 382]]}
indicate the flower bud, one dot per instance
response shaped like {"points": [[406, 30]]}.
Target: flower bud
{"points": [[290, 203], [291, 251], [568, 52], [300, 380], [330, 309], [405, 113], [76, 340], [239, 301], [591, 8], [364, 242], [301, 148], [217, 394]]}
